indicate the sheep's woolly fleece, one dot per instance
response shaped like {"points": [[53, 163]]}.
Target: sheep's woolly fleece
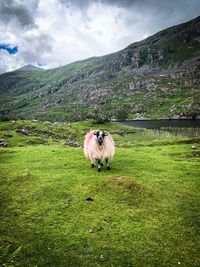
{"points": [[93, 151]]}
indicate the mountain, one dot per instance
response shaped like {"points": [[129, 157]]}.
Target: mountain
{"points": [[28, 68], [158, 77]]}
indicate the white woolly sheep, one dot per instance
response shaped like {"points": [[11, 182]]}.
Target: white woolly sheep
{"points": [[99, 146]]}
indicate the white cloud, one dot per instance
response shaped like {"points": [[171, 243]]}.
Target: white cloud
{"points": [[7, 62], [56, 33]]}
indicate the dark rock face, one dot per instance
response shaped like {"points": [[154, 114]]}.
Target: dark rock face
{"points": [[158, 77]]}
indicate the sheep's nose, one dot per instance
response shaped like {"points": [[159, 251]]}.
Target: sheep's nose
{"points": [[100, 140]]}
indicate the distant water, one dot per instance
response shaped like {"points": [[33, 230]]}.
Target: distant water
{"points": [[158, 124]]}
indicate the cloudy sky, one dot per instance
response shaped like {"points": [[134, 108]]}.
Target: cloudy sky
{"points": [[52, 33]]}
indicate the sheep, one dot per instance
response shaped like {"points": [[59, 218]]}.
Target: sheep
{"points": [[99, 146]]}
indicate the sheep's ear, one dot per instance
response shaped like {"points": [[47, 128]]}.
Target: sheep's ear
{"points": [[105, 133], [95, 133]]}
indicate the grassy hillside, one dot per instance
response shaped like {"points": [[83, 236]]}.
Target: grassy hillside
{"points": [[145, 210], [155, 78]]}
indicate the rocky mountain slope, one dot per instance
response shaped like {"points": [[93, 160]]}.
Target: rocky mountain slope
{"points": [[158, 77]]}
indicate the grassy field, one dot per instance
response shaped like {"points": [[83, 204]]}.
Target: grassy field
{"points": [[145, 210]]}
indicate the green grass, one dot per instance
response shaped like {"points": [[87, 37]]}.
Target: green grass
{"points": [[145, 211]]}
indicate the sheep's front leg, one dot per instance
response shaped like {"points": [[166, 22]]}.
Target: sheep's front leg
{"points": [[99, 165], [107, 164], [93, 161]]}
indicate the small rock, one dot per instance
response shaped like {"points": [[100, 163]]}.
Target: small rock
{"points": [[22, 131], [119, 178], [194, 147], [30, 142], [3, 143], [72, 143], [89, 198], [70, 137]]}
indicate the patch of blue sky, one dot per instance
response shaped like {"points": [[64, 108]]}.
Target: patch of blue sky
{"points": [[11, 50]]}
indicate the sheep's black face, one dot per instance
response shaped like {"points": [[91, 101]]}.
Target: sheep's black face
{"points": [[100, 136]]}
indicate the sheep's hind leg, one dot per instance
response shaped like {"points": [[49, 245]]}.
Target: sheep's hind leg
{"points": [[99, 165], [107, 164]]}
